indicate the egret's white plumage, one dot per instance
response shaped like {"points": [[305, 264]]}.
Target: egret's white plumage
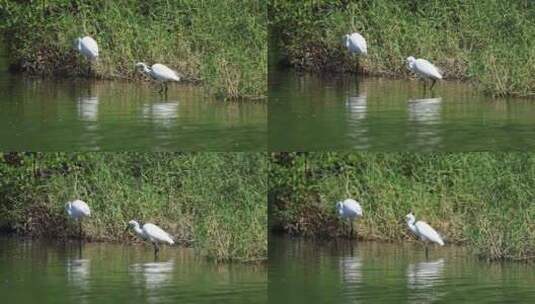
{"points": [[349, 209], [356, 44], [425, 232], [160, 73], [424, 69], [152, 233], [77, 209], [88, 47]]}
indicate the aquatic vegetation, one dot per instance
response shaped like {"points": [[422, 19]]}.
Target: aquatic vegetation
{"points": [[215, 202], [221, 44], [489, 42], [482, 200]]}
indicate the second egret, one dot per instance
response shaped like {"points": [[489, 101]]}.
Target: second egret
{"points": [[424, 69], [356, 44], [425, 232], [152, 233], [77, 210], [349, 209], [160, 73], [88, 47]]}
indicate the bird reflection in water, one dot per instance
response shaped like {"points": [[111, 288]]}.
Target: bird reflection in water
{"points": [[357, 109], [163, 114], [424, 118], [153, 276], [87, 108], [423, 278], [78, 275]]}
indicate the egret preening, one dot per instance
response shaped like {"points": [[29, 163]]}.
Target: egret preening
{"points": [[425, 232], [152, 233], [356, 44], [424, 69], [88, 47], [160, 73], [77, 210], [349, 209]]}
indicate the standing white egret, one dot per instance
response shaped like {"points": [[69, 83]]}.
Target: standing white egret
{"points": [[160, 73], [349, 209], [152, 233], [77, 210], [424, 69], [356, 44], [88, 47], [425, 232]]}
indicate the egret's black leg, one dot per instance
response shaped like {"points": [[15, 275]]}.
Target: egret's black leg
{"points": [[351, 234], [80, 230], [156, 250], [433, 84], [161, 88], [426, 252], [165, 83]]}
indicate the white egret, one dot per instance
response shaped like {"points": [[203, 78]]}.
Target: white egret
{"points": [[424, 69], [160, 73], [349, 209], [88, 47], [356, 44], [152, 233], [77, 210], [425, 232]]}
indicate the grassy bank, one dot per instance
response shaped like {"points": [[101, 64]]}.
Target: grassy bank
{"points": [[482, 200], [215, 202], [221, 43], [490, 42]]}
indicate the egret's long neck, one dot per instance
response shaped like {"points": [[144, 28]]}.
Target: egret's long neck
{"points": [[410, 222], [79, 44], [139, 231], [146, 69]]}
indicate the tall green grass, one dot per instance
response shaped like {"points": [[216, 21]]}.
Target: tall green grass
{"points": [[482, 200], [490, 42], [215, 202], [223, 44]]}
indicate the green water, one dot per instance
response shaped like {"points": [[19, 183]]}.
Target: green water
{"points": [[76, 115], [343, 272], [39, 272], [341, 112]]}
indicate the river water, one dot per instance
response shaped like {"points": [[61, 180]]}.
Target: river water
{"points": [[349, 272], [80, 115], [41, 272], [343, 112]]}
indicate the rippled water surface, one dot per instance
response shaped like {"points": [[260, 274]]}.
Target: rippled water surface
{"points": [[341, 112], [39, 272], [74, 115], [344, 272]]}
